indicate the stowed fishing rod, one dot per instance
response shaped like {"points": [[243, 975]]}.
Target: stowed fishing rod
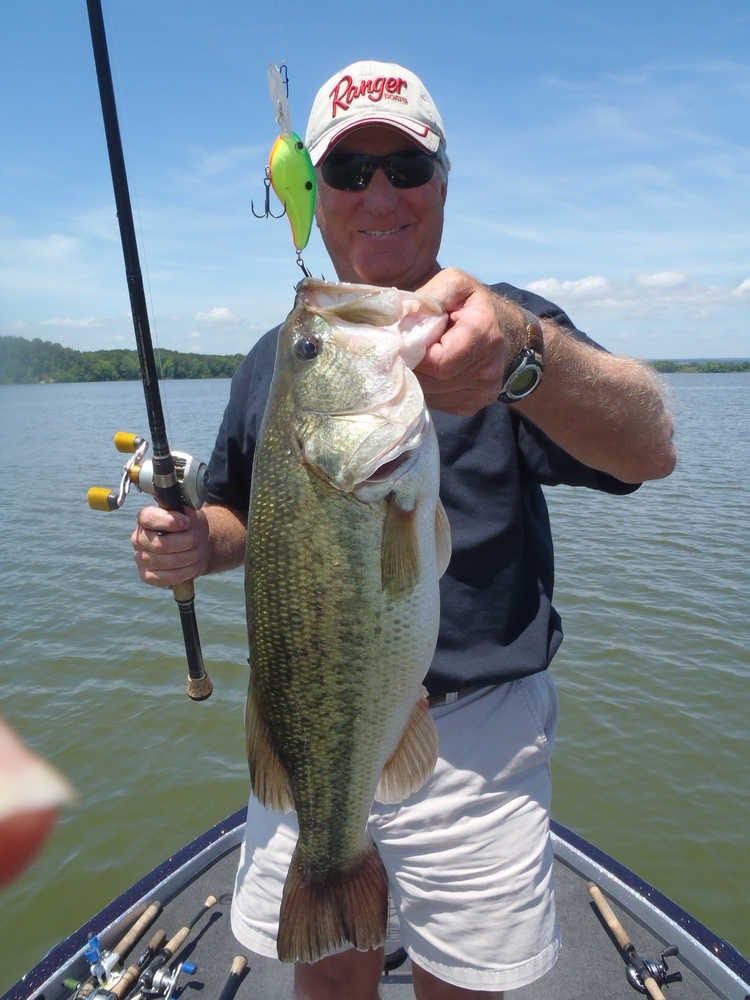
{"points": [[103, 963], [645, 975], [166, 486], [150, 977]]}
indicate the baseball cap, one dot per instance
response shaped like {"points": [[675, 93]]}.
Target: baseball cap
{"points": [[369, 92]]}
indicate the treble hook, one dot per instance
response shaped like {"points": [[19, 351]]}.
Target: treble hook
{"points": [[302, 264], [267, 213]]}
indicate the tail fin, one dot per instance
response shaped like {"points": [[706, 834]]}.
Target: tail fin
{"points": [[319, 917]]}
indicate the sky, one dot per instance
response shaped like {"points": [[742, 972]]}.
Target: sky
{"points": [[600, 156]]}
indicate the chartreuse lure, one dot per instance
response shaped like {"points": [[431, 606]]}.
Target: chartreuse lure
{"points": [[290, 168]]}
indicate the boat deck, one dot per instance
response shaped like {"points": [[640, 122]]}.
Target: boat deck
{"points": [[590, 964]]}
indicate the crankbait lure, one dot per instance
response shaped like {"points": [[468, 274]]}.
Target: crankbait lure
{"points": [[290, 171]]}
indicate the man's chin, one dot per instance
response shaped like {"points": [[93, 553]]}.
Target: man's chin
{"points": [[383, 269]]}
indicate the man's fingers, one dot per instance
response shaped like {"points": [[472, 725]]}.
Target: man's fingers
{"points": [[167, 570], [451, 287], [452, 355], [485, 376], [162, 541], [169, 578], [153, 518], [167, 562]]}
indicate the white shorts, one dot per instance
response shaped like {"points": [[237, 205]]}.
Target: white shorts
{"points": [[468, 857]]}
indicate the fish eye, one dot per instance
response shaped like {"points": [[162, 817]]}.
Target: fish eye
{"points": [[306, 348]]}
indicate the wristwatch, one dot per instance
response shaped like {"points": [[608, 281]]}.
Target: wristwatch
{"points": [[524, 373]]}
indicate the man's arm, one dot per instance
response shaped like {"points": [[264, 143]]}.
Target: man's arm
{"points": [[171, 548], [606, 411]]}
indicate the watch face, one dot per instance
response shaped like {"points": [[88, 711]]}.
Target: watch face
{"points": [[525, 376], [524, 380]]}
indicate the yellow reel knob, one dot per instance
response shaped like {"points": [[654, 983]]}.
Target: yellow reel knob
{"points": [[101, 498], [126, 442]]}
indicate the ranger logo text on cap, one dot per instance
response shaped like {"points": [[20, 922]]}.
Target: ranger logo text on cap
{"points": [[346, 91]]}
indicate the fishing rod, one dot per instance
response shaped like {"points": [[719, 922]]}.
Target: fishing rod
{"points": [[236, 972], [165, 481], [103, 962], [118, 985], [645, 975], [157, 979]]}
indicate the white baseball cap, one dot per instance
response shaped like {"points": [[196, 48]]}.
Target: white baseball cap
{"points": [[367, 93]]}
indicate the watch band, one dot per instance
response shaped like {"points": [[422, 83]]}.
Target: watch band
{"points": [[534, 337]]}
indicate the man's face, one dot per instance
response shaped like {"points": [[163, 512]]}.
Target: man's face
{"points": [[382, 235]]}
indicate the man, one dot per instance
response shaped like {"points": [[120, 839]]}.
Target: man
{"points": [[520, 398]]}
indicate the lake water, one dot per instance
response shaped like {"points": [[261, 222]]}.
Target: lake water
{"points": [[652, 760]]}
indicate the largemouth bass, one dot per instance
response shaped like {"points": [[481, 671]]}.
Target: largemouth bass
{"points": [[347, 540]]}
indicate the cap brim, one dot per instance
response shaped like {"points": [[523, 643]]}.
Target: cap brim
{"points": [[415, 130]]}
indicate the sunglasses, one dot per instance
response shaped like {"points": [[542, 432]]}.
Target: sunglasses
{"points": [[354, 171]]}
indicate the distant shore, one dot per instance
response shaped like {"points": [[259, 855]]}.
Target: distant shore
{"points": [[24, 362], [702, 365]]}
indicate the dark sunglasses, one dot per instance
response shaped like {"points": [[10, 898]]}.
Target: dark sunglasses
{"points": [[353, 171]]}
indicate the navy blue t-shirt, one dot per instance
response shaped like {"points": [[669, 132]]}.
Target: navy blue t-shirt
{"points": [[497, 621]]}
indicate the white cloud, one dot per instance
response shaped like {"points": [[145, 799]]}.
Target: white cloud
{"points": [[219, 314], [661, 279], [592, 286], [742, 289], [210, 163], [69, 321], [55, 247]]}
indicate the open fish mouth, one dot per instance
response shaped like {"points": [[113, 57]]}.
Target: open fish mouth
{"points": [[387, 469], [401, 457]]}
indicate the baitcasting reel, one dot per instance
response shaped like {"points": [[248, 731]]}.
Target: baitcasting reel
{"points": [[164, 981], [657, 969], [192, 476]]}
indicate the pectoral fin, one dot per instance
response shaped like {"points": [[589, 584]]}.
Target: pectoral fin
{"points": [[399, 560], [443, 543], [268, 776], [413, 760]]}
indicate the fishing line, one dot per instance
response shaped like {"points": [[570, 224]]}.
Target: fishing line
{"points": [[143, 252], [153, 321]]}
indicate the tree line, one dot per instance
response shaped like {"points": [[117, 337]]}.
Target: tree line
{"points": [[37, 360], [733, 365], [24, 361]]}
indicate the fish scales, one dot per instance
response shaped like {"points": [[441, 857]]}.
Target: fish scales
{"points": [[337, 657]]}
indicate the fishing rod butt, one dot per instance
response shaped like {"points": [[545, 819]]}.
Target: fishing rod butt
{"points": [[199, 685]]}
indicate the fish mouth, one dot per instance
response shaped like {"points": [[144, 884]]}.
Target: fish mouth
{"points": [[397, 461], [386, 470]]}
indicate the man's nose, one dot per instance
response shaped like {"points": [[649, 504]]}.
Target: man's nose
{"points": [[381, 194]]}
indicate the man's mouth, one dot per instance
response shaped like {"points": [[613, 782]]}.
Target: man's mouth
{"points": [[381, 233]]}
